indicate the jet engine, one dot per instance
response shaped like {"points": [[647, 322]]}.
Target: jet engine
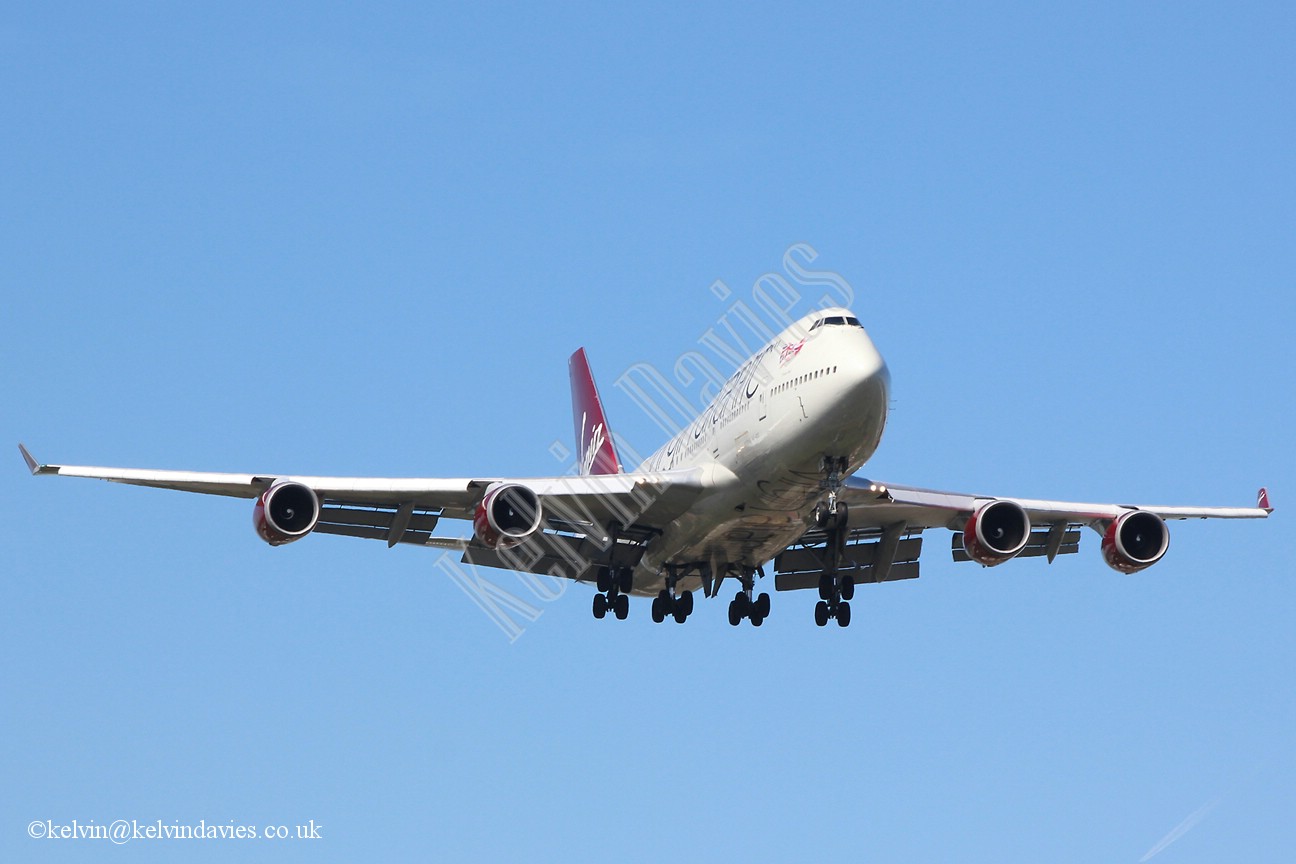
{"points": [[286, 512], [996, 532], [508, 514], [1134, 540]]}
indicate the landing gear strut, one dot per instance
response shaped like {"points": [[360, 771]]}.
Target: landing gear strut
{"points": [[669, 603], [745, 605], [614, 584]]}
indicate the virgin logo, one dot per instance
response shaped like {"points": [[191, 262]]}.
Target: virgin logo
{"points": [[593, 441], [790, 350]]}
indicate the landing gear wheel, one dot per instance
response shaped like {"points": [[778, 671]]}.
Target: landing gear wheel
{"points": [[742, 603], [621, 606], [821, 516], [685, 602], [821, 613], [762, 606], [659, 605], [757, 620], [600, 606], [825, 587], [843, 614], [848, 587], [625, 580], [735, 617], [680, 615]]}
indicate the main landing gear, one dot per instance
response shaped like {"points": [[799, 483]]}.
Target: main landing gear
{"points": [[755, 610], [835, 589], [677, 606], [614, 584]]}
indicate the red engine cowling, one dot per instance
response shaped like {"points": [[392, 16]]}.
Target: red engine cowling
{"points": [[996, 532], [1134, 540], [286, 512], [508, 514]]}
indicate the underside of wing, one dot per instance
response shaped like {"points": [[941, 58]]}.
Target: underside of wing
{"points": [[568, 515], [991, 530], [877, 536]]}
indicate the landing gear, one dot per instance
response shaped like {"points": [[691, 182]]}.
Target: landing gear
{"points": [[834, 468], [746, 605], [839, 609], [836, 589], [668, 603], [614, 584]]}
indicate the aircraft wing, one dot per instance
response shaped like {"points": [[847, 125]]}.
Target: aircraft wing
{"points": [[886, 524], [928, 508], [407, 510]]}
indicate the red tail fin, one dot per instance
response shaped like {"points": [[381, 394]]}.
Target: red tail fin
{"points": [[593, 437]]}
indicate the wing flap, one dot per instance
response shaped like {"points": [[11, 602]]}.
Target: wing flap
{"points": [[1037, 546], [888, 556], [403, 524], [550, 554]]}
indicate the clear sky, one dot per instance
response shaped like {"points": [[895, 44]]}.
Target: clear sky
{"points": [[336, 239]]}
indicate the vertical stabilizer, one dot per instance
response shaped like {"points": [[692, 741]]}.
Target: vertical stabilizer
{"points": [[593, 437]]}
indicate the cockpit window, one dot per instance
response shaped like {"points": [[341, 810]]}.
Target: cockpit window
{"points": [[836, 320]]}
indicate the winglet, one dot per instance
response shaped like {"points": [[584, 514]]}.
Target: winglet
{"points": [[1263, 503], [593, 437], [32, 465]]}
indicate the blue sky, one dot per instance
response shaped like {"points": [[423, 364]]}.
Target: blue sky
{"points": [[336, 240]]}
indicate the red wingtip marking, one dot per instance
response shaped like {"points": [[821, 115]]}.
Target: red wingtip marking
{"points": [[1264, 501]]}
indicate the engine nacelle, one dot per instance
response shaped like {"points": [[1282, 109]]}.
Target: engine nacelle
{"points": [[1134, 540], [508, 514], [286, 512], [996, 532]]}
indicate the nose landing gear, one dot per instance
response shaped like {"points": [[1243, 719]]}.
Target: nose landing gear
{"points": [[835, 589]]}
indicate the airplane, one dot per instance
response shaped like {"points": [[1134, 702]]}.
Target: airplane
{"points": [[763, 477]]}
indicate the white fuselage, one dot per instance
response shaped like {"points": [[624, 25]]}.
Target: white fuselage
{"points": [[813, 392]]}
